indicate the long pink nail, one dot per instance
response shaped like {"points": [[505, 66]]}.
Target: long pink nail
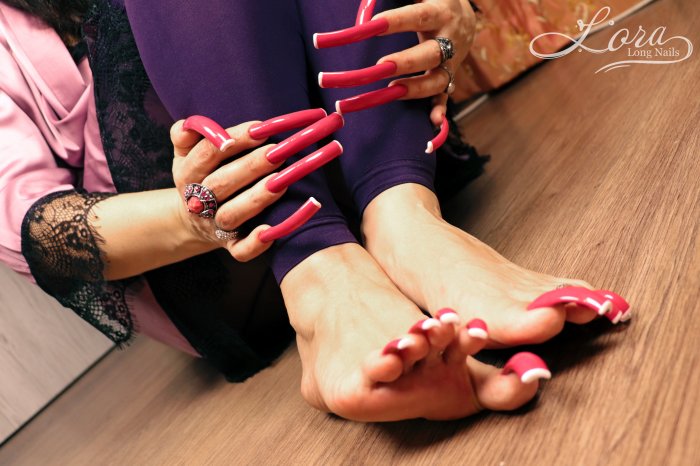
{"points": [[448, 316], [528, 366], [210, 130], [283, 123], [477, 328], [303, 167], [364, 13], [307, 136], [291, 223], [395, 346], [356, 77], [573, 294], [371, 99], [350, 35], [620, 311], [422, 326], [435, 143]]}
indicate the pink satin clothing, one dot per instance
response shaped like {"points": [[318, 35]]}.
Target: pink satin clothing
{"points": [[50, 141]]}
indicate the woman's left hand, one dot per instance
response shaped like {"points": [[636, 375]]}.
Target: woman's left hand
{"points": [[452, 19]]}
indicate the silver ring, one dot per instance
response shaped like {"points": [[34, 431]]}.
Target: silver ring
{"points": [[450, 85], [203, 200], [447, 48], [224, 235]]}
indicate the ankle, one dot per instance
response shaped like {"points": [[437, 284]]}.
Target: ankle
{"points": [[397, 205]]}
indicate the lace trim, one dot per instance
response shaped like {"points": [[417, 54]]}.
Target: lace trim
{"points": [[64, 256]]}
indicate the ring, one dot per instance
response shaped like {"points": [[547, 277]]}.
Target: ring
{"points": [[200, 200], [447, 49], [224, 235], [450, 85]]}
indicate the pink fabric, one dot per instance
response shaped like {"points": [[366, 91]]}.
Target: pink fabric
{"points": [[47, 113]]}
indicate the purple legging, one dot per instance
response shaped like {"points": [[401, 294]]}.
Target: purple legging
{"points": [[253, 60]]}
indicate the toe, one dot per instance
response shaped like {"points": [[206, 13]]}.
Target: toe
{"points": [[382, 367], [438, 334], [470, 340], [503, 390]]}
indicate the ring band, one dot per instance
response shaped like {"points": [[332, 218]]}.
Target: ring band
{"points": [[447, 48], [200, 200], [451, 84], [224, 235]]}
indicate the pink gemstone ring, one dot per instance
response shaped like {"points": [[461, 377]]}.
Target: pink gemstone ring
{"points": [[200, 200]]}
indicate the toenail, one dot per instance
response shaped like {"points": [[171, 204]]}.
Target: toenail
{"points": [[477, 328], [448, 316], [528, 366]]}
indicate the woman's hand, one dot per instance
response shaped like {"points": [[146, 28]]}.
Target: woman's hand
{"points": [[199, 161], [453, 19]]}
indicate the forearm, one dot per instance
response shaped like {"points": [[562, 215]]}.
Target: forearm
{"points": [[143, 231]]}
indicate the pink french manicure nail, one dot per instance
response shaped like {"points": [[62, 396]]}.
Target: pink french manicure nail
{"points": [[356, 77], [477, 328], [304, 138], [291, 223], [364, 13], [303, 167], [573, 294], [620, 311], [371, 99], [210, 130], [435, 143], [448, 316], [287, 122], [528, 366], [395, 346], [422, 326], [350, 35]]}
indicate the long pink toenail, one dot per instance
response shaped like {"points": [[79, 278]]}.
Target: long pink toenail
{"points": [[291, 223], [395, 346], [364, 13], [287, 122], [448, 316], [303, 167], [350, 35], [477, 328], [435, 143], [620, 311], [304, 138], [528, 366], [573, 294], [371, 99], [210, 130], [356, 77], [421, 327]]}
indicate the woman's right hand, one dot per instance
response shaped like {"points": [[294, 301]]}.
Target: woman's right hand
{"points": [[197, 160]]}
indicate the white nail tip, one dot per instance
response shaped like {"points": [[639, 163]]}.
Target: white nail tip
{"points": [[315, 40], [605, 308], [617, 318], [626, 316], [430, 323], [535, 374], [404, 343], [478, 333], [226, 144], [320, 79], [337, 107], [429, 148], [449, 318]]}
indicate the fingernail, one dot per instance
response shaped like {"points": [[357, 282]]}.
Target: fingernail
{"points": [[291, 223], [364, 13], [448, 316], [528, 366], [573, 294], [304, 138], [210, 130], [287, 122], [303, 167], [421, 327], [435, 143], [477, 328], [371, 99], [350, 35], [395, 346], [356, 77]]}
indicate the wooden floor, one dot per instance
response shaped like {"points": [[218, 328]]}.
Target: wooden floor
{"points": [[594, 176]]}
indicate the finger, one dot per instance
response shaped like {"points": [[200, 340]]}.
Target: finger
{"points": [[293, 222], [431, 83], [246, 205], [250, 247], [237, 174], [210, 129], [183, 141], [439, 109], [415, 18], [421, 57]]}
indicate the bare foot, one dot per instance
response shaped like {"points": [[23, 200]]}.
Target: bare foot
{"points": [[369, 354], [437, 265]]}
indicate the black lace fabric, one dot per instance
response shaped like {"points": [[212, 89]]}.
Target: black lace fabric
{"points": [[64, 256]]}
